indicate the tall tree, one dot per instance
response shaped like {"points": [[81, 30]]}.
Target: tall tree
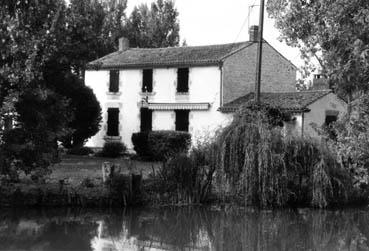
{"points": [[28, 41], [93, 29], [335, 32], [153, 27]]}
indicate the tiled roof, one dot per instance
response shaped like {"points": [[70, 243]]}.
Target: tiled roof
{"points": [[171, 56], [288, 101]]}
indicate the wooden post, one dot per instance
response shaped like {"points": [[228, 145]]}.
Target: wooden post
{"points": [[259, 53]]}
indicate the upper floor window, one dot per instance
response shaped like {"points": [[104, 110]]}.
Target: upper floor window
{"points": [[147, 80], [113, 122], [114, 81], [182, 80]]}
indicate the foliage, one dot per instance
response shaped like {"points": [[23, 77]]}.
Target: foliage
{"points": [[33, 143], [28, 32], [335, 32], [154, 27], [80, 151], [87, 182], [160, 145], [258, 165], [85, 106], [188, 178], [118, 185], [141, 144], [352, 141], [113, 150], [92, 31]]}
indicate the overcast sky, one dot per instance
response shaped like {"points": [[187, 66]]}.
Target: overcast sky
{"points": [[204, 22]]}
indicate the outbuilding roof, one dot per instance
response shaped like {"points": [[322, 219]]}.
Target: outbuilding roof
{"points": [[288, 101], [165, 57]]}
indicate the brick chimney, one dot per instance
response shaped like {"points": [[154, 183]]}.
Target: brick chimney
{"points": [[123, 44], [254, 33], [320, 82]]}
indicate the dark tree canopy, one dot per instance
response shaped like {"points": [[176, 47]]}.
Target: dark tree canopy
{"points": [[335, 32], [154, 27]]}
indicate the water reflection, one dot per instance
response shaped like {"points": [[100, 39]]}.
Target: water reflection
{"points": [[184, 229]]}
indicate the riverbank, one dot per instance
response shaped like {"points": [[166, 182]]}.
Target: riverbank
{"points": [[77, 181]]}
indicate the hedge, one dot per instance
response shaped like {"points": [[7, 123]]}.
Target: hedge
{"points": [[113, 150], [159, 145]]}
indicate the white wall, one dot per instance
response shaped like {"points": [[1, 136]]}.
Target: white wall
{"points": [[204, 86], [318, 112], [293, 127]]}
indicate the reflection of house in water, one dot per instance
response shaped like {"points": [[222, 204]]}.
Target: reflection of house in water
{"points": [[104, 242]]}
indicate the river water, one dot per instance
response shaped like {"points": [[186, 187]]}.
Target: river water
{"points": [[184, 229]]}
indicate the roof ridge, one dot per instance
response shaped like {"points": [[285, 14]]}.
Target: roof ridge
{"points": [[191, 46], [288, 92]]}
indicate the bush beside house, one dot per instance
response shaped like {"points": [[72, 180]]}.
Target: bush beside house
{"points": [[113, 150], [159, 145]]}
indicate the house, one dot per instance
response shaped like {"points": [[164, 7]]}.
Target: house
{"points": [[310, 109], [180, 88]]}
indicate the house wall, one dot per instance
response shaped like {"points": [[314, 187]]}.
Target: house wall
{"points": [[204, 86], [316, 116], [294, 127], [278, 74]]}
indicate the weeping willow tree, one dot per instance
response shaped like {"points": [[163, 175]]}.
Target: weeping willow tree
{"points": [[260, 166]]}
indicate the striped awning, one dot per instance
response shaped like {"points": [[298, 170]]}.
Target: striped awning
{"points": [[178, 106]]}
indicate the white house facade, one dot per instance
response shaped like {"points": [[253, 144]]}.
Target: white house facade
{"points": [[162, 107]]}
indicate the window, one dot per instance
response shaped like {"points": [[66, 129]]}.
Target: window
{"points": [[147, 80], [146, 120], [329, 119], [114, 81], [113, 122], [182, 80], [182, 121]]}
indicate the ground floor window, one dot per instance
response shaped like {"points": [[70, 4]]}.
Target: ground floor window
{"points": [[113, 122], [146, 120], [182, 120]]}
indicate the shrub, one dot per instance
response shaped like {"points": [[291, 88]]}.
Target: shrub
{"points": [[113, 149], [80, 151], [141, 143], [87, 182], [160, 145], [119, 188], [187, 178]]}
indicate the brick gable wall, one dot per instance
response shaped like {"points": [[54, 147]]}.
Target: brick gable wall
{"points": [[278, 74]]}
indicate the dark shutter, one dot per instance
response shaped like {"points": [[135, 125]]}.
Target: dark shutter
{"points": [[113, 122], [147, 80], [182, 80], [146, 120], [114, 81], [182, 120]]}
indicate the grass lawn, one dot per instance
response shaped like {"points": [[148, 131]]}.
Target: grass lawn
{"points": [[77, 168]]}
